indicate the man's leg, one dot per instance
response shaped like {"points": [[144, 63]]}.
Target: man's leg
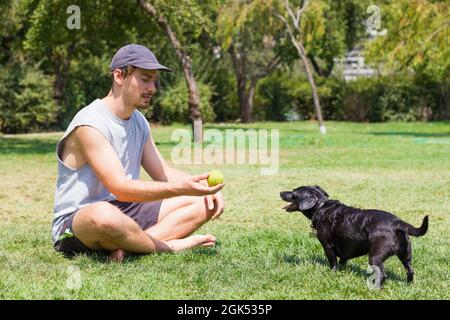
{"points": [[102, 226], [180, 216]]}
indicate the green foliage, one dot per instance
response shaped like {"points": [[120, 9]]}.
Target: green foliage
{"points": [[327, 28], [389, 98], [276, 96], [285, 93], [417, 37], [188, 18], [35, 43], [174, 103], [26, 103], [224, 99], [89, 80]]}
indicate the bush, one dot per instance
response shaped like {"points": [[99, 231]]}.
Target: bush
{"points": [[26, 99], [225, 100], [276, 96], [390, 98], [88, 80], [281, 95], [174, 103]]}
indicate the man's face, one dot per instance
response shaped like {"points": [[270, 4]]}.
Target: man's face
{"points": [[139, 87]]}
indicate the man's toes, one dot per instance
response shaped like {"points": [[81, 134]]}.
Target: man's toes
{"points": [[117, 255], [204, 240]]}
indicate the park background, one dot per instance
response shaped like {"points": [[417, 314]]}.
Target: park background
{"points": [[382, 83]]}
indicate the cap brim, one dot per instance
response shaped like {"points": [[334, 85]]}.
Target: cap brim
{"points": [[152, 66]]}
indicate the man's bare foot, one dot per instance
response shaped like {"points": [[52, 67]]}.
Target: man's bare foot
{"points": [[190, 242], [117, 255]]}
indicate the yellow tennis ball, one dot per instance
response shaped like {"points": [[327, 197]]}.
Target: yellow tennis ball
{"points": [[215, 177]]}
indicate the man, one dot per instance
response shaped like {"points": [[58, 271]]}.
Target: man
{"points": [[100, 203]]}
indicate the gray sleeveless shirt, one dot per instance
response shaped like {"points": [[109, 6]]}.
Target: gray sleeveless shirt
{"points": [[76, 188]]}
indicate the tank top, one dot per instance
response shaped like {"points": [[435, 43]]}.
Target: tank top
{"points": [[76, 188]]}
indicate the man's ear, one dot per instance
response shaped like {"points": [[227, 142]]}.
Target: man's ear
{"points": [[306, 200], [322, 191], [119, 76]]}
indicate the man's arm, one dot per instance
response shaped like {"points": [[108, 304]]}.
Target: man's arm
{"points": [[109, 170], [156, 166]]}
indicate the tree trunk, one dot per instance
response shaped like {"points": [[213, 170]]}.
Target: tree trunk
{"points": [[312, 83], [246, 95], [61, 69], [322, 72], [247, 115], [302, 53], [185, 61], [59, 85], [241, 78]]}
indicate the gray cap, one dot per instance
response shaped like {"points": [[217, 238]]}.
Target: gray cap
{"points": [[137, 56]]}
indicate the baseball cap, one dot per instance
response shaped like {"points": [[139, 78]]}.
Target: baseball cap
{"points": [[138, 56]]}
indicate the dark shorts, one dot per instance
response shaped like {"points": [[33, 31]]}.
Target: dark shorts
{"points": [[144, 213]]}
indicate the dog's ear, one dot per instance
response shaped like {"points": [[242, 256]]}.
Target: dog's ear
{"points": [[306, 200], [321, 191]]}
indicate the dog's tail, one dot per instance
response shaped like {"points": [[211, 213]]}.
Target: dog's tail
{"points": [[417, 232]]}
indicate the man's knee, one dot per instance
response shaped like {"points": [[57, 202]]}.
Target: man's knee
{"points": [[208, 209], [102, 218]]}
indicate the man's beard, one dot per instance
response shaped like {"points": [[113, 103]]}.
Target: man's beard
{"points": [[144, 105]]}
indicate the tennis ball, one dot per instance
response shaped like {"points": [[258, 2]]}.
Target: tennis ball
{"points": [[215, 177]]}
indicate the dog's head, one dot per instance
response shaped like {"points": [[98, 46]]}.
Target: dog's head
{"points": [[303, 199]]}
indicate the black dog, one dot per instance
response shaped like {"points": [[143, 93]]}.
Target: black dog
{"points": [[347, 232]]}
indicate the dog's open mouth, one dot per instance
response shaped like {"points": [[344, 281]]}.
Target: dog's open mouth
{"points": [[291, 207]]}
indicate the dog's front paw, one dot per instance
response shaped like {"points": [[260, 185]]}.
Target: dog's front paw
{"points": [[334, 268]]}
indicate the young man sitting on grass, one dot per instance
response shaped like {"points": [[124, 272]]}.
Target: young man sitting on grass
{"points": [[100, 203]]}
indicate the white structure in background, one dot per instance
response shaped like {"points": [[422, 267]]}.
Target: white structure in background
{"points": [[353, 66]]}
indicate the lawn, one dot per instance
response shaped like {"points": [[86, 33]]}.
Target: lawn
{"points": [[263, 252]]}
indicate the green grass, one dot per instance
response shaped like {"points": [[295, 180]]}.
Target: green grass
{"points": [[263, 252]]}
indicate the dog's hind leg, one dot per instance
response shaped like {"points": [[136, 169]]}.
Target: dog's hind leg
{"points": [[343, 261], [378, 253], [405, 257], [409, 270]]}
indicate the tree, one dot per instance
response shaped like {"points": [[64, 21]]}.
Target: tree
{"points": [[292, 20], [61, 49], [169, 15], [417, 40], [246, 32], [330, 29], [326, 30]]}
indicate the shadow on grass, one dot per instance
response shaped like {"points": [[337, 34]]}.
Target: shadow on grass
{"points": [[245, 128], [413, 134], [167, 143], [292, 259], [103, 258], [26, 146], [356, 269]]}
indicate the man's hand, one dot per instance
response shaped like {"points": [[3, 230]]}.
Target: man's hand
{"points": [[218, 204], [198, 186], [193, 186], [214, 202]]}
